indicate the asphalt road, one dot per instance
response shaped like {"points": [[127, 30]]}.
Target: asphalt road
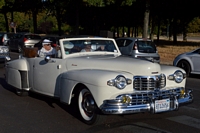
{"points": [[41, 114]]}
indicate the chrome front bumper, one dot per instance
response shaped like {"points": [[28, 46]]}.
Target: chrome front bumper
{"points": [[145, 102]]}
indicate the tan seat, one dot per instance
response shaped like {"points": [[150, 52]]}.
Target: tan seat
{"points": [[30, 52]]}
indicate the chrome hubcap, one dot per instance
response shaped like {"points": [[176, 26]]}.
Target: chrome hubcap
{"points": [[88, 104]]}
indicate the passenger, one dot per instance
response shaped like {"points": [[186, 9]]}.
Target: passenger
{"points": [[47, 49], [101, 48], [87, 47]]}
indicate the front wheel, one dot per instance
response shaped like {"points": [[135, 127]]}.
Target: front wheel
{"points": [[186, 66], [20, 92], [87, 107]]}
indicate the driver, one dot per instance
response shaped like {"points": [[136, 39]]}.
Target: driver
{"points": [[87, 47], [47, 49]]}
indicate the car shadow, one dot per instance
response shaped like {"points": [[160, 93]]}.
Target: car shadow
{"points": [[197, 76], [49, 100]]}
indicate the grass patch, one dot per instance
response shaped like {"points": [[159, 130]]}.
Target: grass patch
{"points": [[168, 50]]}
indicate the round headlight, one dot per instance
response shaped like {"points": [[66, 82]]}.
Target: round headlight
{"points": [[178, 76], [120, 82]]}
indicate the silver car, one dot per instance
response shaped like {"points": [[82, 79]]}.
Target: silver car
{"points": [[189, 62], [138, 48], [4, 50], [5, 37], [21, 40]]}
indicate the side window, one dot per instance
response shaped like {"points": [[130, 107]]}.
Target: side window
{"points": [[68, 46], [127, 42]]}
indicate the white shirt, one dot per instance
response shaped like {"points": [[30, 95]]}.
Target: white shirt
{"points": [[43, 52]]}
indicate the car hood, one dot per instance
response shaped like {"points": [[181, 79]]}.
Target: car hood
{"points": [[114, 63]]}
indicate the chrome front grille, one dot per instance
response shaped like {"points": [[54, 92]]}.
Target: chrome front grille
{"points": [[143, 97], [149, 82]]}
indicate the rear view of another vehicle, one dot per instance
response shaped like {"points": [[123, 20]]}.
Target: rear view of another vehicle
{"points": [[20, 40], [30, 40], [138, 48]]}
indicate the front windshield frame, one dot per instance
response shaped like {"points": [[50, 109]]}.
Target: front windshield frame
{"points": [[76, 45]]}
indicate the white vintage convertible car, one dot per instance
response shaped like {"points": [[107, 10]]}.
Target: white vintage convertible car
{"points": [[101, 81]]}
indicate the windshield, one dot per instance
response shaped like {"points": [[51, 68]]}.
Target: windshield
{"points": [[146, 47], [75, 46]]}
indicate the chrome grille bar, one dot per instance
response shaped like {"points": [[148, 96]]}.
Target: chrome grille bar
{"points": [[149, 82]]}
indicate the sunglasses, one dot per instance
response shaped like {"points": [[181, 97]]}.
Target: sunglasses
{"points": [[48, 44]]}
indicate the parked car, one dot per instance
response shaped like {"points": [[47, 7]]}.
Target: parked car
{"points": [[100, 82], [189, 61], [20, 40], [138, 48], [4, 38], [54, 39], [4, 50]]}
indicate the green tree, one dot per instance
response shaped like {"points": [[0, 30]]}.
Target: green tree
{"points": [[194, 25]]}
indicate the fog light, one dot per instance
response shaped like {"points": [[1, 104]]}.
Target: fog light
{"points": [[126, 99], [182, 93]]}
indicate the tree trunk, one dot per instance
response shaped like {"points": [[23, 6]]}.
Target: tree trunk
{"points": [[123, 31], [135, 30], [158, 34], [6, 20], [175, 30], [152, 29], [184, 33], [117, 32], [34, 13], [58, 16], [129, 31], [170, 30], [146, 20]]}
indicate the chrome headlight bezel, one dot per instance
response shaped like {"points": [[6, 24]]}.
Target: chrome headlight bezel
{"points": [[120, 82], [178, 76]]}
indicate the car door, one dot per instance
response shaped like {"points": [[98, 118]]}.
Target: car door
{"points": [[196, 61], [45, 75]]}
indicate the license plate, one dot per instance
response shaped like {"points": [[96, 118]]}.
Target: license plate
{"points": [[162, 105]]}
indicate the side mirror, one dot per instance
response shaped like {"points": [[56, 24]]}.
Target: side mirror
{"points": [[47, 58]]}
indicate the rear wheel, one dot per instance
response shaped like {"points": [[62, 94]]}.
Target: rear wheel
{"points": [[186, 66], [87, 107]]}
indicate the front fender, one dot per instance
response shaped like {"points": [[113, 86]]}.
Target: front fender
{"points": [[95, 81], [169, 70], [94, 76]]}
